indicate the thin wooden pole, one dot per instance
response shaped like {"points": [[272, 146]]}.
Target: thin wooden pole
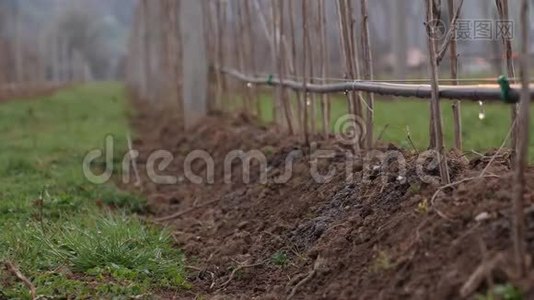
{"points": [[325, 61], [240, 53], [276, 57], [311, 61], [194, 58], [278, 29], [218, 53], [288, 65], [354, 57], [294, 70], [178, 61], [344, 49], [305, 38], [435, 106], [224, 56], [249, 32], [146, 51], [503, 11], [368, 73], [433, 15], [347, 32], [456, 106], [522, 146], [171, 55], [247, 52], [211, 43]]}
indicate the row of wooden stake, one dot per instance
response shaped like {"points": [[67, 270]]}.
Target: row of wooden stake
{"points": [[301, 50], [358, 62]]}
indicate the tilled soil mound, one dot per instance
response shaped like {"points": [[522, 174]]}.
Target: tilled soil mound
{"points": [[375, 236]]}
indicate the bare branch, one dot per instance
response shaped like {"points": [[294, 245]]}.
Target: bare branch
{"points": [[450, 34], [17, 273]]}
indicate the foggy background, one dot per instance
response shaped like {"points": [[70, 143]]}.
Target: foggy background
{"points": [[87, 39], [93, 33]]}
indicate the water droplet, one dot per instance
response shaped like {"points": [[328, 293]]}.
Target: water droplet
{"points": [[308, 102], [249, 85], [482, 113]]}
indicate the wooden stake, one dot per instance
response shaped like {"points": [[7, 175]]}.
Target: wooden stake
{"points": [[456, 106], [503, 11], [522, 146], [346, 41], [276, 57], [194, 62], [240, 54], [433, 15], [368, 73], [311, 61], [343, 46], [247, 52], [146, 51], [278, 29], [218, 53], [435, 106], [353, 61], [211, 43], [294, 70], [305, 38], [325, 59], [288, 67], [223, 51], [354, 58], [270, 37], [249, 33]]}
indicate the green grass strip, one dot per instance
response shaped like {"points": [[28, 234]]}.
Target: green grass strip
{"points": [[54, 224]]}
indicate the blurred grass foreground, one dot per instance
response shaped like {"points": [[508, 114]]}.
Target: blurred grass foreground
{"points": [[51, 224]]}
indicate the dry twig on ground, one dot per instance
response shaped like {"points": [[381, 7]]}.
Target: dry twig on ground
{"points": [[319, 262], [13, 269], [239, 268]]}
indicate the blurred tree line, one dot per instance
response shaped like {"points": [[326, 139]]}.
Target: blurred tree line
{"points": [[63, 40]]}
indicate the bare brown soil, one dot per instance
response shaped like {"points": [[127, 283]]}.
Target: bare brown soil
{"points": [[337, 240], [13, 91]]}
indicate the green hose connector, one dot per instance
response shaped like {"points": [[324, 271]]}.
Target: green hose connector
{"points": [[270, 79], [504, 83]]}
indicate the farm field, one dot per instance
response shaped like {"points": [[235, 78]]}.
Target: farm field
{"points": [[70, 237], [164, 149]]}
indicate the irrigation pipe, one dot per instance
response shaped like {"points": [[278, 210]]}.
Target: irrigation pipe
{"points": [[482, 92]]}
